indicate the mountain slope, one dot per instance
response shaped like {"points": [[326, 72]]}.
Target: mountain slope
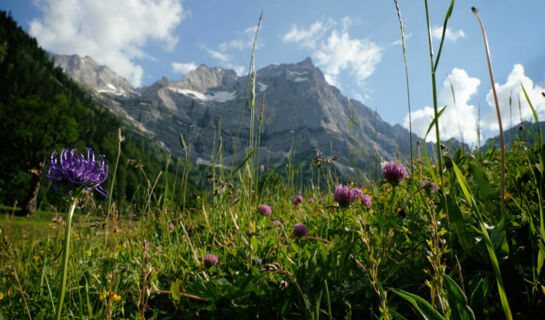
{"points": [[301, 112]]}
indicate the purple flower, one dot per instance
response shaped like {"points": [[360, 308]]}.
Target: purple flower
{"points": [[210, 260], [298, 200], [170, 226], [261, 168], [366, 200], [265, 210], [394, 173], [299, 230], [344, 196], [428, 186], [310, 200], [73, 172], [277, 222], [520, 127]]}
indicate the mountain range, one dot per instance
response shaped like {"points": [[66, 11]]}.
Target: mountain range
{"points": [[303, 115]]}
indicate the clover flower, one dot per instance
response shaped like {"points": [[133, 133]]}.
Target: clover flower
{"points": [[277, 223], [265, 210], [71, 172], [310, 200], [210, 260], [394, 173], [299, 230], [298, 200], [366, 200], [344, 196], [429, 186]]}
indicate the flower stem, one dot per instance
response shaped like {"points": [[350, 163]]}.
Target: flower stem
{"points": [[65, 249]]}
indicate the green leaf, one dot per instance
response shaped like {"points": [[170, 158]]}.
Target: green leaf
{"points": [[422, 306], [457, 301]]}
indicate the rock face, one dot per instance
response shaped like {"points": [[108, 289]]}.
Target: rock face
{"points": [[97, 77], [302, 114]]}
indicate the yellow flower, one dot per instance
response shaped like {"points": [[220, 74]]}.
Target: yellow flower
{"points": [[88, 252], [198, 197], [507, 196], [36, 258], [75, 234], [101, 298], [118, 231], [116, 298], [111, 256], [2, 295]]}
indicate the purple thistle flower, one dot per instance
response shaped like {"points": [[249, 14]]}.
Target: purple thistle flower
{"points": [[299, 230], [298, 200], [366, 200], [72, 172], [265, 210], [210, 260], [277, 222], [394, 173], [344, 196]]}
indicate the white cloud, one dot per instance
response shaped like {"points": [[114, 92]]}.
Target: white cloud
{"points": [[183, 68], [511, 91], [112, 32], [437, 32], [245, 42], [342, 53], [459, 118], [308, 37], [221, 56], [335, 51]]}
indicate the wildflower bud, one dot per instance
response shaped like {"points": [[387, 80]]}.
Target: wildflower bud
{"points": [[344, 196], [210, 260], [394, 173], [299, 230], [265, 210], [182, 141]]}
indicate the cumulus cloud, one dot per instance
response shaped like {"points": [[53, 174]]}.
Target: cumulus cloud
{"points": [[308, 37], [114, 33], [437, 32], [245, 41], [183, 68], [459, 120], [334, 50], [509, 95]]}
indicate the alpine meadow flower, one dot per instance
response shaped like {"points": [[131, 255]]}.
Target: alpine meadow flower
{"points": [[210, 260], [429, 186], [72, 172], [344, 196], [366, 200], [299, 230], [298, 200], [265, 210], [394, 173]]}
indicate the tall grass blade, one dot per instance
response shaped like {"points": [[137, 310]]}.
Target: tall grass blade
{"points": [[502, 140], [489, 246]]}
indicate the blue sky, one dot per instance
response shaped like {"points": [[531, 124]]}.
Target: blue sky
{"points": [[354, 42]]}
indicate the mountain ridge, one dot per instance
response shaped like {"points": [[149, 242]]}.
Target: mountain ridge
{"points": [[298, 103]]}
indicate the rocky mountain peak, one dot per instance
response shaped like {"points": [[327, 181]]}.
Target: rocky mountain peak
{"points": [[205, 77], [88, 72]]}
